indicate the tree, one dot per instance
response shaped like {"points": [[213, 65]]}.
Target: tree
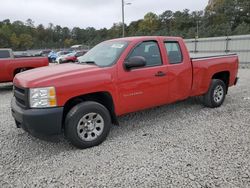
{"points": [[65, 33], [116, 30], [68, 42], [5, 34], [150, 24], [14, 41], [26, 41], [133, 28], [232, 12], [6, 22], [222, 17], [76, 34], [242, 29], [30, 23], [166, 20]]}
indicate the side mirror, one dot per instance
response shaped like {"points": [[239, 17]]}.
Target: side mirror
{"points": [[135, 62]]}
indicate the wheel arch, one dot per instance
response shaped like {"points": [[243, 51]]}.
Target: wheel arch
{"points": [[104, 98], [17, 70], [224, 76]]}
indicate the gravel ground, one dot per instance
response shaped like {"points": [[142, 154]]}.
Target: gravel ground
{"points": [[179, 145]]}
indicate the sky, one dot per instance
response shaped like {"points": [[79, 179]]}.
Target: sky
{"points": [[89, 13]]}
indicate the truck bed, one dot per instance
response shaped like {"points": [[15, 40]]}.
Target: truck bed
{"points": [[9, 67], [204, 66]]}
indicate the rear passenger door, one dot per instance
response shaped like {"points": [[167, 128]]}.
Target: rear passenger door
{"points": [[144, 87], [179, 71]]}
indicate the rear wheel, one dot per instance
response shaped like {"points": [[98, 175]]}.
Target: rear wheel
{"points": [[215, 95], [87, 124], [22, 70]]}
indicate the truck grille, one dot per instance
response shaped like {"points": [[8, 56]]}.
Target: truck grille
{"points": [[21, 96]]}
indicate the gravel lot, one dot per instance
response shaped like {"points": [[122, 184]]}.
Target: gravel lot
{"points": [[179, 145]]}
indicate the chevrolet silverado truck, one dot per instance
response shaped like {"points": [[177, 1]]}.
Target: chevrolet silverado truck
{"points": [[10, 66], [116, 77]]}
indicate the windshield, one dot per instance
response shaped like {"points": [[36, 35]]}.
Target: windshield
{"points": [[104, 54]]}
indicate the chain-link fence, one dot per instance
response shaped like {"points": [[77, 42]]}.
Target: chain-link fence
{"points": [[221, 45]]}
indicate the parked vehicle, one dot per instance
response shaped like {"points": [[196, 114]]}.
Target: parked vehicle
{"points": [[117, 77], [18, 54], [10, 66], [77, 47], [54, 56], [44, 53], [72, 57], [62, 56]]}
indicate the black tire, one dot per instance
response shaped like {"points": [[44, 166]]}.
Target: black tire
{"points": [[212, 100], [74, 120], [17, 71], [22, 70], [198, 99]]}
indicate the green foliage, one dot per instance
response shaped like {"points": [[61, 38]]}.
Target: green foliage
{"points": [[26, 41], [150, 24], [229, 12], [223, 17], [68, 42], [5, 34], [14, 41], [243, 28]]}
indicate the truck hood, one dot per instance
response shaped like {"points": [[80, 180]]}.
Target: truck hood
{"points": [[42, 77]]}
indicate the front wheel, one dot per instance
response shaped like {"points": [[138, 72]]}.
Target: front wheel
{"points": [[87, 124], [216, 94]]}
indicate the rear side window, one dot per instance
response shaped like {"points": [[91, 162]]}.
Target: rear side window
{"points": [[4, 54], [174, 52], [150, 51]]}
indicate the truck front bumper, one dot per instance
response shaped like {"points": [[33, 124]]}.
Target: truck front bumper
{"points": [[38, 121]]}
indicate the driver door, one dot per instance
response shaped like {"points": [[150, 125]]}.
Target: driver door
{"points": [[144, 87]]}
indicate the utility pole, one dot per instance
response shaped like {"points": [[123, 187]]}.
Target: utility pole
{"points": [[123, 17], [123, 24]]}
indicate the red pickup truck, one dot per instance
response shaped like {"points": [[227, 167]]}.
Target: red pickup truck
{"points": [[114, 78], [10, 66]]}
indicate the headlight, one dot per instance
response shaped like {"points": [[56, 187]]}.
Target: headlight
{"points": [[42, 97]]}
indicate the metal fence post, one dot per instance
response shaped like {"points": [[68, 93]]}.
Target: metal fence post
{"points": [[195, 46], [227, 44]]}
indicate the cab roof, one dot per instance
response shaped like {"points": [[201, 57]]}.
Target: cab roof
{"points": [[141, 38]]}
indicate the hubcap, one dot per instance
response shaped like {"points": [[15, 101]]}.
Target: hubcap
{"points": [[90, 126], [218, 94]]}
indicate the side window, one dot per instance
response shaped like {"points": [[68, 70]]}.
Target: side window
{"points": [[174, 52], [4, 54], [150, 51]]}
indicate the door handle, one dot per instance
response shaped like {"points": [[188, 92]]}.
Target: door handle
{"points": [[160, 74]]}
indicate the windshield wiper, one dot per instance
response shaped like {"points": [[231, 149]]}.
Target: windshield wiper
{"points": [[88, 62]]}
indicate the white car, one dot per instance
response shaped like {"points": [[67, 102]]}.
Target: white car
{"points": [[61, 57]]}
